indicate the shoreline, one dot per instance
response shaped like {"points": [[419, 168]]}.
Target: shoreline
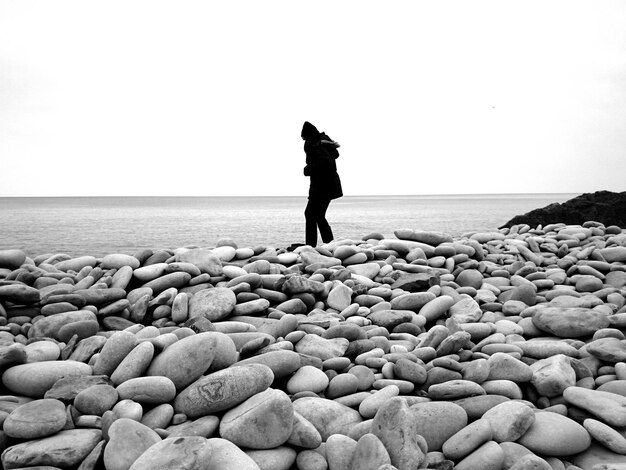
{"points": [[329, 356], [122, 226]]}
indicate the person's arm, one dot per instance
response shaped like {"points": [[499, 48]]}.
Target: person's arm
{"points": [[330, 142]]}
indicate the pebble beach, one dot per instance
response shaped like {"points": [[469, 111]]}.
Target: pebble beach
{"points": [[501, 350]]}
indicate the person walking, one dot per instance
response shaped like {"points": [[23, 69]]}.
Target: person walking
{"points": [[321, 153]]}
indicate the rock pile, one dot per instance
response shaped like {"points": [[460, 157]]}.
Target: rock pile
{"points": [[501, 350], [606, 207]]}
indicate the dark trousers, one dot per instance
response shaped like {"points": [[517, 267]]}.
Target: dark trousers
{"points": [[315, 215]]}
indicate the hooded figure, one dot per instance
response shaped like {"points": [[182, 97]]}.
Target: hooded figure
{"points": [[321, 153]]}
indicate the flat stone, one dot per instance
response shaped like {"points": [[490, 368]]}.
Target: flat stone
{"points": [[96, 399], [454, 389], [203, 259], [390, 318], [213, 304], [399, 431], [525, 293], [263, 421], [364, 270], [437, 307], [438, 421], [51, 325], [467, 439], [67, 388], [509, 420], [597, 456], [504, 366], [185, 453], [370, 406], [339, 297], [465, 310], [205, 426], [328, 416], [227, 456], [282, 363], [606, 435], [36, 419], [304, 434], [339, 451], [19, 294], [609, 407], [608, 349], [489, 456], [280, 458], [176, 280], [477, 406], [553, 375], [415, 282], [128, 439], [314, 345], [302, 285], [370, 453], [64, 449], [570, 322]]}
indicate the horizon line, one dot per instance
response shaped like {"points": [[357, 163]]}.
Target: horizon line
{"points": [[295, 195]]}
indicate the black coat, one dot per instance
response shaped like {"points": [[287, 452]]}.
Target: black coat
{"points": [[321, 167]]}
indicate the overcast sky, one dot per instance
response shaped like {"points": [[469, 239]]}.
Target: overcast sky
{"points": [[207, 98]]}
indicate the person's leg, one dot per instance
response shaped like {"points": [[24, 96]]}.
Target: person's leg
{"points": [[325, 230], [310, 215]]}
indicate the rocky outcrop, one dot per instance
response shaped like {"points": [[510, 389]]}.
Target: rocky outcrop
{"points": [[606, 207]]}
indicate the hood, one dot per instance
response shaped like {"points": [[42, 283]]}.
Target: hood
{"points": [[309, 131]]}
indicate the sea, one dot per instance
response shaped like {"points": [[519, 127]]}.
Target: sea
{"points": [[98, 226]]}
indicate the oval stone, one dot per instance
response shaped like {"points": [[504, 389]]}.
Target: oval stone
{"points": [[12, 259], [185, 360], [328, 416], [95, 400], [150, 390], [42, 351], [116, 348], [282, 363], [223, 389], [134, 364], [119, 260], [552, 434], [36, 378], [36, 419], [307, 378]]}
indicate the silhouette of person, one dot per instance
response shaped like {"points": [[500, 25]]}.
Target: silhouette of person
{"points": [[321, 153]]}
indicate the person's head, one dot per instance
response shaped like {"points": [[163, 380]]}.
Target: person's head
{"points": [[309, 131]]}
